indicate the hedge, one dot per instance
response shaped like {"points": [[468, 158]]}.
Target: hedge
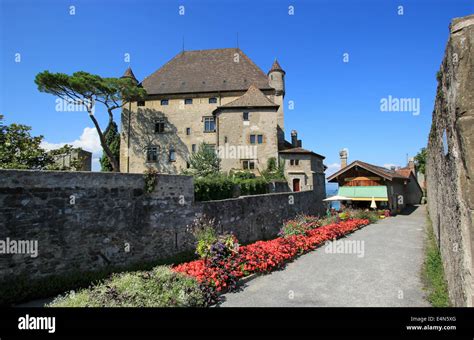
{"points": [[222, 187]]}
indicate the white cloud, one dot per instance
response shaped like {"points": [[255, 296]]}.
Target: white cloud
{"points": [[332, 168], [389, 165], [89, 141]]}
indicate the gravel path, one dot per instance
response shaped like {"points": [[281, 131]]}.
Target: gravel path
{"points": [[383, 271]]}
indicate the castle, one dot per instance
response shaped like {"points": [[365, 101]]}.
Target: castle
{"points": [[222, 98]]}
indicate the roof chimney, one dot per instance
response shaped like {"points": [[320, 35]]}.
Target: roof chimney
{"points": [[343, 155], [294, 139]]}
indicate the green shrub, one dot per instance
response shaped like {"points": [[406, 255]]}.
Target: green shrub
{"points": [[372, 216], [160, 287], [239, 175], [293, 227], [213, 188], [254, 186]]}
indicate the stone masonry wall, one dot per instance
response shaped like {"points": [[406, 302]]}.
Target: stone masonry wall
{"points": [[86, 221], [450, 161]]}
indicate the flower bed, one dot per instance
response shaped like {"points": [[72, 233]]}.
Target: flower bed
{"points": [[265, 256]]}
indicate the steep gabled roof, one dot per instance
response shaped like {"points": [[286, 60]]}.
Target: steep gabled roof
{"points": [[252, 98], [226, 69], [378, 170]]}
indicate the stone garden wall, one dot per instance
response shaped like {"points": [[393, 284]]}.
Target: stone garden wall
{"points": [[450, 162], [86, 221]]}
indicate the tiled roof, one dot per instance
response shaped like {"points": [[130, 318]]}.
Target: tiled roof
{"points": [[129, 74], [381, 171], [276, 67], [405, 172], [301, 151], [252, 98], [227, 69]]}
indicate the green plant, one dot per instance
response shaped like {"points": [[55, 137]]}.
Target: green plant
{"points": [[204, 162], [160, 287], [274, 171], [215, 187], [255, 186], [293, 227], [204, 230], [372, 216], [433, 272], [150, 177]]}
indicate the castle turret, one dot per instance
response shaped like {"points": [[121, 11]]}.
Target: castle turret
{"points": [[129, 74], [276, 78]]}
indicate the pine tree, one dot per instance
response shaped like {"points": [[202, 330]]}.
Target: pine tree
{"points": [[112, 139]]}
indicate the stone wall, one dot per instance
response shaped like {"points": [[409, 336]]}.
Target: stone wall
{"points": [[90, 221], [450, 161]]}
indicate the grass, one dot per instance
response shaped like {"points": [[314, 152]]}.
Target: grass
{"points": [[160, 287], [22, 288], [433, 272]]}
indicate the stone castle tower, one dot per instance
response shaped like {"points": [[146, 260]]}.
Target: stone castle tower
{"points": [[276, 80]]}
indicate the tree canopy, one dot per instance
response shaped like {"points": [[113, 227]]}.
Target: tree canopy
{"points": [[20, 150], [204, 162], [420, 161], [82, 88]]}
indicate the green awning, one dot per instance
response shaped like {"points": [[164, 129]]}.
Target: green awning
{"points": [[365, 193]]}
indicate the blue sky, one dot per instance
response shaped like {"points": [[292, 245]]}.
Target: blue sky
{"points": [[336, 103]]}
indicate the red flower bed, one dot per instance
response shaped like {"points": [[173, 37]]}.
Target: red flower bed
{"points": [[265, 256]]}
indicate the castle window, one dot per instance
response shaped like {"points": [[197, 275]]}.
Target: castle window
{"points": [[172, 155], [141, 103], [160, 126], [193, 148], [256, 139], [209, 124], [225, 139], [152, 154], [188, 101], [292, 162], [164, 102], [213, 100], [245, 116], [248, 164], [188, 131], [297, 162]]}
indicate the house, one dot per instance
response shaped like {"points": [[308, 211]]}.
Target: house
{"points": [[392, 189], [219, 97], [75, 160]]}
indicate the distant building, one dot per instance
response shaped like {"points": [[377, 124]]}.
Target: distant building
{"points": [[76, 160], [222, 98], [392, 189]]}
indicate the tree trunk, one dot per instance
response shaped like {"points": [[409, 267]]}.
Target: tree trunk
{"points": [[110, 156]]}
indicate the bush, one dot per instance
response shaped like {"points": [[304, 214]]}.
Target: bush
{"points": [[213, 188], [160, 287], [222, 187], [293, 227], [256, 186], [372, 216]]}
